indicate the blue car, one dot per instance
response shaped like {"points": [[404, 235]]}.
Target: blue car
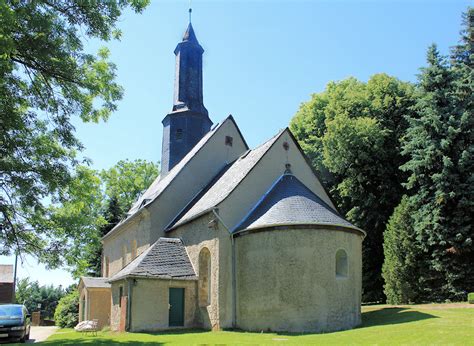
{"points": [[14, 323]]}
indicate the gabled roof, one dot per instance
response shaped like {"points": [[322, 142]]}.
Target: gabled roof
{"points": [[290, 202], [223, 184], [163, 181], [6, 273], [91, 282], [165, 259]]}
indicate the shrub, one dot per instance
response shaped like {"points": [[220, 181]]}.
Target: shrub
{"points": [[470, 298], [67, 311], [400, 265]]}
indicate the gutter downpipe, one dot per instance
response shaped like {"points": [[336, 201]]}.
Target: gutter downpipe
{"points": [[234, 280], [129, 304]]}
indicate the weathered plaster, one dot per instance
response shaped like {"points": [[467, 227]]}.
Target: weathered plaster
{"points": [[150, 299], [197, 235], [286, 281]]}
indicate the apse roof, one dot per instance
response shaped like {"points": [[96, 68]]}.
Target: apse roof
{"points": [[165, 259], [290, 202]]}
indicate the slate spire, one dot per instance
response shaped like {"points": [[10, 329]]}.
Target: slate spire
{"points": [[188, 121], [188, 79], [189, 35]]}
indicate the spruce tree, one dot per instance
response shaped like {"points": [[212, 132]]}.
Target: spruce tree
{"points": [[439, 146]]}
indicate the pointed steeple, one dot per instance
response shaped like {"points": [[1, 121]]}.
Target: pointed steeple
{"points": [[188, 121], [189, 35], [188, 79]]}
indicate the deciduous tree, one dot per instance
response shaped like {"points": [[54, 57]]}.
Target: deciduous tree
{"points": [[352, 133], [46, 79]]}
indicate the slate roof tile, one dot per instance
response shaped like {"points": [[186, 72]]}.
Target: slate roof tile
{"points": [[91, 282], [288, 202], [166, 258]]}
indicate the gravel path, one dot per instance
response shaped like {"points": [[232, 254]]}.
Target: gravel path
{"points": [[38, 334]]}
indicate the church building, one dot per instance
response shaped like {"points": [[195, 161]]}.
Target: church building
{"points": [[227, 236]]}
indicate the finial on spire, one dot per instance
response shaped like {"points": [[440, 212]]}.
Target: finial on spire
{"points": [[190, 11]]}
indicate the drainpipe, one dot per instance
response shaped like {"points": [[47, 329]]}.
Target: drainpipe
{"points": [[129, 305], [234, 280], [234, 284]]}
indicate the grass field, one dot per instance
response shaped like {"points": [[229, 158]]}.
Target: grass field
{"points": [[434, 324]]}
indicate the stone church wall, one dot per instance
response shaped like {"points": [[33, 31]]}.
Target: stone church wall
{"points": [[286, 280], [115, 311], [205, 233], [137, 230]]}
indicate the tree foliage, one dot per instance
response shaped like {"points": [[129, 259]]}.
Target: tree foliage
{"points": [[67, 311], [96, 202], [352, 133], [31, 294], [127, 180], [401, 269], [440, 146], [46, 79]]}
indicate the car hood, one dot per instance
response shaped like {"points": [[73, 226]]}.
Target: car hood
{"points": [[7, 322]]}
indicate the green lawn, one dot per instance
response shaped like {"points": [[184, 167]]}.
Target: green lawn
{"points": [[383, 325]]}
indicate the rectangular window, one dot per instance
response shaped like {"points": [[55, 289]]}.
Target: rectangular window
{"points": [[179, 134], [120, 296]]}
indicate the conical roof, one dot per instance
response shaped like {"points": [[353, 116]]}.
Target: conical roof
{"points": [[189, 35], [290, 202]]}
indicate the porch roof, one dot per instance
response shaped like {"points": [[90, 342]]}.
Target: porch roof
{"points": [[90, 282], [165, 259]]}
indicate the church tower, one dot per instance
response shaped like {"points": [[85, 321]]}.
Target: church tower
{"points": [[188, 121]]}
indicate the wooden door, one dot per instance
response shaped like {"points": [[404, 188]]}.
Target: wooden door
{"points": [[176, 307]]}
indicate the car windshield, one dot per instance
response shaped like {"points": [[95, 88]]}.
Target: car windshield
{"points": [[10, 311]]}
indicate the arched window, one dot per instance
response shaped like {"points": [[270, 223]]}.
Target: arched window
{"points": [[204, 277], [124, 256], [134, 249], [341, 264]]}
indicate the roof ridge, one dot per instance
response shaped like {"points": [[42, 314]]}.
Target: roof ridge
{"points": [[171, 175], [183, 220], [170, 240]]}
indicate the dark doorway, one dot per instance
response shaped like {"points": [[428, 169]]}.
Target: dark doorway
{"points": [[176, 307]]}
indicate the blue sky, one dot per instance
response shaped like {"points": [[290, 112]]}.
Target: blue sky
{"points": [[261, 60]]}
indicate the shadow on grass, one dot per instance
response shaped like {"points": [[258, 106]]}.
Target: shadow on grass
{"points": [[114, 338], [386, 316], [381, 317], [97, 340]]}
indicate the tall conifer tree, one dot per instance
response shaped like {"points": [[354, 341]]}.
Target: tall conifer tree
{"points": [[439, 146]]}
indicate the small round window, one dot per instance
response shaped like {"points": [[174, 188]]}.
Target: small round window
{"points": [[341, 264]]}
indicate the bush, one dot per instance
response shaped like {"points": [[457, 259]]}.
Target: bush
{"points": [[67, 311], [470, 298], [400, 265]]}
